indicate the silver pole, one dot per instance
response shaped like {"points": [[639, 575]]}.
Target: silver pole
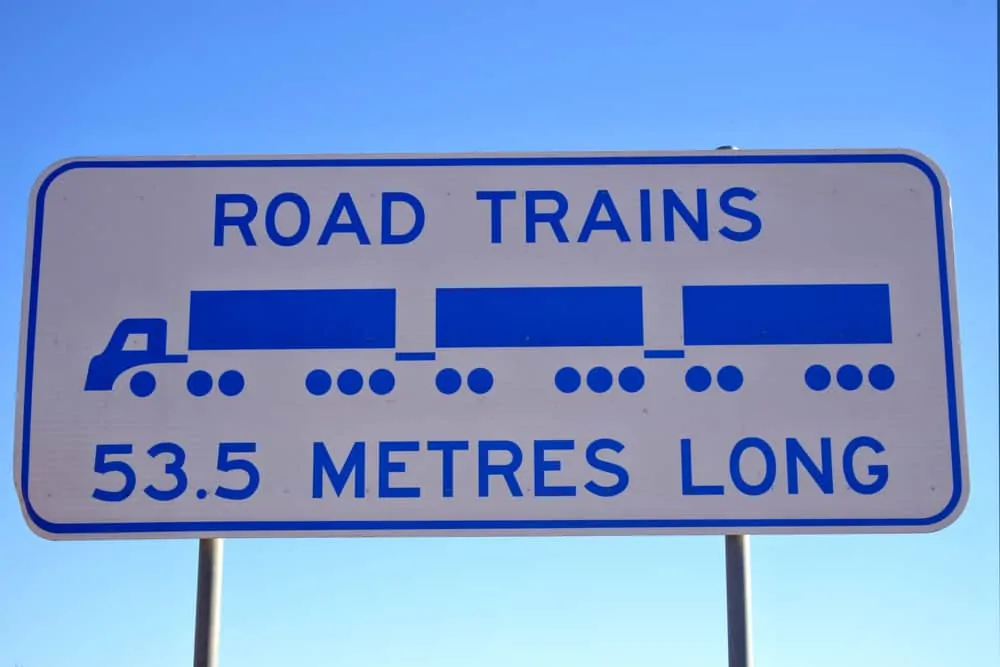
{"points": [[738, 600], [738, 587], [209, 603]]}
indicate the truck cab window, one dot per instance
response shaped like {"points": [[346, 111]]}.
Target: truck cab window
{"points": [[137, 341]]}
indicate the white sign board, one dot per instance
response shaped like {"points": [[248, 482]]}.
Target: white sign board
{"points": [[688, 343]]}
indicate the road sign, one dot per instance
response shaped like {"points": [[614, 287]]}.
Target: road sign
{"points": [[687, 343]]}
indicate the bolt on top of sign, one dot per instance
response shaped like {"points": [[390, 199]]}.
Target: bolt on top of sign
{"points": [[704, 342]]}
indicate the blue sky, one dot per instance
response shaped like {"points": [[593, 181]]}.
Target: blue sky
{"points": [[308, 76]]}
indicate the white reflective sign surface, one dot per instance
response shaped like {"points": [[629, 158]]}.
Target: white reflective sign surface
{"points": [[709, 342]]}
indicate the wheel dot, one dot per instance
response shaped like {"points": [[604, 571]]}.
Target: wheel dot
{"points": [[142, 384], [199, 383], [318, 382], [448, 381], [349, 382], [231, 383], [567, 379], [818, 377], [382, 381], [849, 377], [480, 380], [881, 377], [631, 379], [730, 378], [600, 379], [698, 378]]}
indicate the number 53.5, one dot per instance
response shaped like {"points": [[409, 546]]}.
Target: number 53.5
{"points": [[108, 459]]}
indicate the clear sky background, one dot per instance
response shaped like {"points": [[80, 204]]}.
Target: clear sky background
{"points": [[292, 76]]}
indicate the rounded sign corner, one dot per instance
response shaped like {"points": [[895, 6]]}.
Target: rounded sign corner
{"points": [[48, 175], [954, 510], [933, 171], [35, 522]]}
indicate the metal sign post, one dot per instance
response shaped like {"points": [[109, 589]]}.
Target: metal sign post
{"points": [[738, 600], [209, 603]]}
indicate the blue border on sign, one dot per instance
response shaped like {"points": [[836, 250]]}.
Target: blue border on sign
{"points": [[487, 525]]}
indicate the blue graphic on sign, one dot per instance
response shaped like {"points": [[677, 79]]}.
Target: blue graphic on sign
{"points": [[539, 317], [509, 318], [787, 315], [811, 315], [257, 320], [334, 319]]}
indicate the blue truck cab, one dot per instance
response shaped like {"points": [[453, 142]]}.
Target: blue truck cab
{"points": [[106, 367]]}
